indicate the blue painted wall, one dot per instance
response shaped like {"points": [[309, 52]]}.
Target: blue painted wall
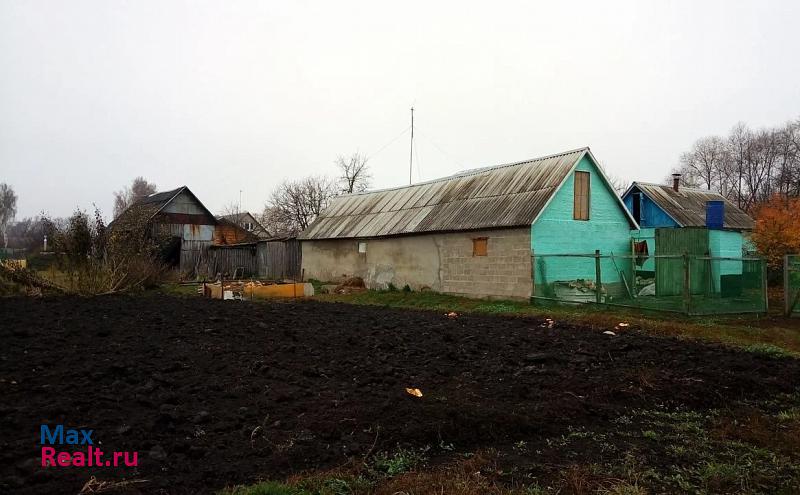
{"points": [[652, 214], [608, 229]]}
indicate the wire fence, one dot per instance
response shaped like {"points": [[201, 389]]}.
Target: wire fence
{"points": [[791, 284], [688, 284]]}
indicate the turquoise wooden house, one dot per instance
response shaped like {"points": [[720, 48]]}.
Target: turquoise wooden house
{"points": [[476, 233]]}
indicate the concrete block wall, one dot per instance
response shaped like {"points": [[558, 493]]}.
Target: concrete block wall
{"points": [[505, 272], [439, 262]]}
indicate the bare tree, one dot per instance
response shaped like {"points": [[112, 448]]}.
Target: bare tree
{"points": [[138, 189], [275, 222], [704, 162], [232, 212], [355, 176], [8, 209], [749, 167], [293, 205]]}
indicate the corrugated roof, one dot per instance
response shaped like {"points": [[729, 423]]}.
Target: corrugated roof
{"points": [[508, 195], [687, 205], [161, 198]]}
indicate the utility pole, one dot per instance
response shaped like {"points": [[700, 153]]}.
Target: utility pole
{"points": [[240, 201], [411, 154]]}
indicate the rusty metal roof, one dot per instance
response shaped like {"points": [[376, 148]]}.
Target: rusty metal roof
{"points": [[508, 195], [687, 205]]}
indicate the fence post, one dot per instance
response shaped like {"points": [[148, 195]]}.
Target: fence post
{"points": [[533, 275], [786, 294], [764, 292], [633, 269], [687, 284], [598, 282]]}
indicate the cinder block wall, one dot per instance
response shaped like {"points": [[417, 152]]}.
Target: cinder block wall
{"points": [[505, 272], [439, 262]]}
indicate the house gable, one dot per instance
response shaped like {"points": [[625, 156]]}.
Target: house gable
{"points": [[555, 231], [650, 214]]}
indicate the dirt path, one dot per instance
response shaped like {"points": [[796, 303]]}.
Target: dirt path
{"points": [[213, 393]]}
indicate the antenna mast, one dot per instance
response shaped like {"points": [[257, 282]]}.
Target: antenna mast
{"points": [[411, 154]]}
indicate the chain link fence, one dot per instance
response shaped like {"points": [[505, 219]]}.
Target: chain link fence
{"points": [[688, 284], [791, 284]]}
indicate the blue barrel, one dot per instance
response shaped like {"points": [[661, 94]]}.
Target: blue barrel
{"points": [[715, 214]]}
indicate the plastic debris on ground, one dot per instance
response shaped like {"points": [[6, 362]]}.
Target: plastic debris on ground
{"points": [[414, 391]]}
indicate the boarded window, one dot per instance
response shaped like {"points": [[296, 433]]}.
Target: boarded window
{"points": [[480, 246], [581, 202]]}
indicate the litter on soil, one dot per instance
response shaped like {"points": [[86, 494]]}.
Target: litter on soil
{"points": [[213, 394]]}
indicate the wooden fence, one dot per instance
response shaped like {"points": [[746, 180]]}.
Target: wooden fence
{"points": [[268, 260], [279, 260]]}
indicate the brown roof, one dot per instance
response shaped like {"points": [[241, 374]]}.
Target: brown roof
{"points": [[509, 195], [687, 205]]}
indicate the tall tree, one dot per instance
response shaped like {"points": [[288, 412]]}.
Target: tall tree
{"points": [[138, 189], [354, 173], [703, 163], [8, 209], [777, 231]]}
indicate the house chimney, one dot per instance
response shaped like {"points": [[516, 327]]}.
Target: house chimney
{"points": [[676, 182]]}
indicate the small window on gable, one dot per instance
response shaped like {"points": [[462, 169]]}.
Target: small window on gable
{"points": [[362, 247], [480, 246], [581, 201]]}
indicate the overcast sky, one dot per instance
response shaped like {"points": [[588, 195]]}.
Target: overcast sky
{"points": [[226, 96]]}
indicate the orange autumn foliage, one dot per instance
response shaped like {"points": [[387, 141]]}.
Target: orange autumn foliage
{"points": [[777, 229]]}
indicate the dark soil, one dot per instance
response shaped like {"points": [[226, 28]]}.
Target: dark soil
{"points": [[213, 393]]}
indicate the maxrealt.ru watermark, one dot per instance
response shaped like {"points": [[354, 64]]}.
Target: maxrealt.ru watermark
{"points": [[82, 450]]}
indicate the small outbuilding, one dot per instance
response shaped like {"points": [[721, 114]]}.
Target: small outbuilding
{"points": [[676, 220], [472, 233]]}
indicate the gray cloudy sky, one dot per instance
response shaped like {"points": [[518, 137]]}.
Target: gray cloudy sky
{"points": [[225, 95]]}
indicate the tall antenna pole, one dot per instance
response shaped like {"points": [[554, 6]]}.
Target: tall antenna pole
{"points": [[411, 154]]}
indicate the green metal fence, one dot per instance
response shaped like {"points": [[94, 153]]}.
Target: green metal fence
{"points": [[688, 284], [791, 284]]}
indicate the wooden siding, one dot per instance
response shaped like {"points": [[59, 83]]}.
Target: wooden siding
{"points": [[227, 232], [226, 260], [556, 232], [279, 260], [193, 255], [272, 260], [650, 214], [670, 271]]}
